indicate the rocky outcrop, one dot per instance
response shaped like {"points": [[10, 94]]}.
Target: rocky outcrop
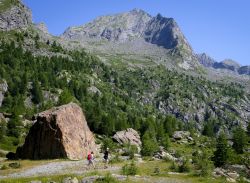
{"points": [[42, 27], [128, 136], [61, 132], [2, 118], [244, 70], [16, 17], [179, 135], [227, 64], [3, 90], [231, 176], [205, 60]]}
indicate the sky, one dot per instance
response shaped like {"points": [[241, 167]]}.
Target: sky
{"points": [[220, 28]]}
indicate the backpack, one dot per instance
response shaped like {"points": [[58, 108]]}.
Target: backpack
{"points": [[89, 156]]}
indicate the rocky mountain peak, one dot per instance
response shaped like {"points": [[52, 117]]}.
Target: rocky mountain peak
{"points": [[205, 60], [14, 15], [227, 64], [231, 62], [137, 11], [42, 27], [135, 24]]}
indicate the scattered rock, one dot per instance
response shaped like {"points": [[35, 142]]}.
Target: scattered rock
{"points": [[218, 172], [231, 176], [2, 118], [236, 168], [229, 179], [128, 136], [94, 90], [181, 135], [61, 132], [90, 179], [70, 180]]}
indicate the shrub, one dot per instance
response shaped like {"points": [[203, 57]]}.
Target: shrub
{"points": [[4, 167], [106, 179], [202, 162], [174, 167], [15, 165], [116, 159], [205, 169], [130, 150], [108, 143], [16, 141], [156, 171], [185, 166], [129, 169], [149, 145]]}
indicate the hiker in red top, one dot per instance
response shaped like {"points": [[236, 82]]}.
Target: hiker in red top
{"points": [[91, 159]]}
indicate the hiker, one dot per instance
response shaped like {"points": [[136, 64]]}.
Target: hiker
{"points": [[91, 159], [106, 157]]}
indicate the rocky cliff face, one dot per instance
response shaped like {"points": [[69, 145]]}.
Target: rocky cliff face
{"points": [[16, 17], [120, 27], [205, 60], [60, 132], [129, 26]]}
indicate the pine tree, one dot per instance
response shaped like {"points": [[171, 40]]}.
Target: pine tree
{"points": [[239, 140], [221, 153], [149, 144], [37, 93], [65, 97]]}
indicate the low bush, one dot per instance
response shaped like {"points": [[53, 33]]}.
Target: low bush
{"points": [[129, 169], [15, 165], [106, 179], [4, 167], [185, 166]]}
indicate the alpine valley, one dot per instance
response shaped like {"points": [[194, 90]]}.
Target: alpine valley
{"points": [[130, 71]]}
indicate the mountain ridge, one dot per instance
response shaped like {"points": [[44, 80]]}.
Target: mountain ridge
{"points": [[226, 64]]}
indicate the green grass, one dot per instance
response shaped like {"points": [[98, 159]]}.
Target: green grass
{"points": [[56, 178]]}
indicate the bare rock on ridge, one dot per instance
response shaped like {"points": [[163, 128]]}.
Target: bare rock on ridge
{"points": [[15, 17], [61, 132]]}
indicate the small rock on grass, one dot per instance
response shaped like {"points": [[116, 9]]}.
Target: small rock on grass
{"points": [[70, 180]]}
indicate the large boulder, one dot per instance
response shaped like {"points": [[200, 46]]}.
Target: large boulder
{"points": [[61, 132], [128, 136]]}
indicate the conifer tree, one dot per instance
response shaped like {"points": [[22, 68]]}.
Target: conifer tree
{"points": [[239, 140], [221, 153]]}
